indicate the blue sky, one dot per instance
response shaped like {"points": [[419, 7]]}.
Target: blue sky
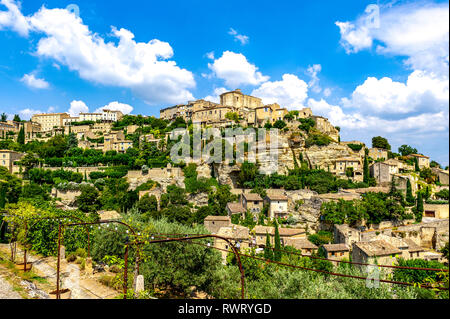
{"points": [[370, 74]]}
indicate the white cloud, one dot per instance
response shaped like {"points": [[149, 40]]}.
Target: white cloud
{"points": [[116, 106], [77, 107], [422, 92], [313, 72], [291, 92], [418, 31], [12, 18], [215, 97], [243, 39], [236, 70], [210, 55], [31, 81], [144, 68]]}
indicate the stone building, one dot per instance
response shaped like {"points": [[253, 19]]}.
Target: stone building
{"points": [[442, 175], [377, 251], [8, 158], [49, 121], [336, 251], [302, 244], [424, 161], [238, 235], [378, 153], [278, 205], [344, 234], [236, 99], [252, 202], [341, 165], [435, 210], [214, 223], [235, 209], [383, 172]]}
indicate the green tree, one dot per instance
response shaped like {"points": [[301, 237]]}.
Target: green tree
{"points": [[406, 150], [381, 142], [409, 194], [72, 141], [17, 118], [366, 172], [268, 252], [3, 117], [416, 164], [419, 207], [147, 204], [279, 124], [277, 252], [88, 201], [21, 136]]}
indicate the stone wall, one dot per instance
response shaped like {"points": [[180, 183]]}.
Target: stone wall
{"points": [[67, 197]]}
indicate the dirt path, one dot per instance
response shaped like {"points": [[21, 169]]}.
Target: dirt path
{"points": [[82, 286], [6, 290]]}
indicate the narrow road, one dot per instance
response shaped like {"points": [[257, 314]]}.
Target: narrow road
{"points": [[6, 290]]}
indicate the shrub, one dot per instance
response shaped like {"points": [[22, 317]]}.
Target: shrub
{"points": [[71, 258], [81, 252]]}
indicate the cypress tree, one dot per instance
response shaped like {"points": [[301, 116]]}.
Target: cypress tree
{"points": [[277, 252], [409, 195], [268, 253], [366, 173], [419, 207], [21, 136], [416, 164]]}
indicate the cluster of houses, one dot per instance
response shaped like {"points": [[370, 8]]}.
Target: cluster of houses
{"points": [[254, 203], [251, 111], [382, 247]]}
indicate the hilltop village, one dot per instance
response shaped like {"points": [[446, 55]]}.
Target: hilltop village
{"points": [[342, 200]]}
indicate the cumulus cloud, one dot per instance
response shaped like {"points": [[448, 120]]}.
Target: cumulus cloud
{"points": [[77, 107], [290, 92], [235, 69], [243, 39], [116, 106], [144, 68], [31, 81], [421, 93], [12, 18], [418, 31]]}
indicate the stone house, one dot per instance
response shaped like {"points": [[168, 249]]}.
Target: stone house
{"points": [[252, 202], [302, 244], [424, 161], [235, 209], [377, 251], [8, 158], [214, 223], [238, 235], [354, 163], [278, 205], [344, 234], [336, 251], [49, 121], [441, 174], [435, 210], [260, 233], [378, 153], [383, 172]]}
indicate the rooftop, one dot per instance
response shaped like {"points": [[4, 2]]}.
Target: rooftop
{"points": [[235, 208], [218, 218], [336, 247], [377, 248], [299, 243], [252, 197], [278, 197]]}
